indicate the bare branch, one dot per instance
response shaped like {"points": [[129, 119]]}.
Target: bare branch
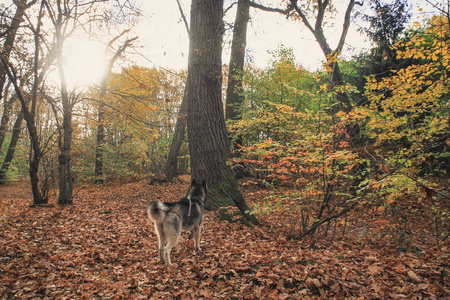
{"points": [[302, 16], [270, 9], [322, 6], [126, 114], [183, 16], [119, 51], [346, 25], [228, 8]]}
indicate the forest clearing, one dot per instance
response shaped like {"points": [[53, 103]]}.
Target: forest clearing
{"points": [[105, 247]]}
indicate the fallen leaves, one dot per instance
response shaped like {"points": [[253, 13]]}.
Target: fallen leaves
{"points": [[103, 246]]}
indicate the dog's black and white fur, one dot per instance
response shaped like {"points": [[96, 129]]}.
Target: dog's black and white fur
{"points": [[172, 217]]}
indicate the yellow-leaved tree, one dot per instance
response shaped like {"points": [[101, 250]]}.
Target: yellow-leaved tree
{"points": [[139, 115], [409, 111]]}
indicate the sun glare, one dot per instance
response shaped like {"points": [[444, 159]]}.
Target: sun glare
{"points": [[85, 62]]}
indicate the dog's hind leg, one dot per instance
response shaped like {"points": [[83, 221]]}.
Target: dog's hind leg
{"points": [[172, 231], [172, 241], [161, 239]]}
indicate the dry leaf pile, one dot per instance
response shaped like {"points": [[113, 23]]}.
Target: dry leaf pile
{"points": [[104, 247]]}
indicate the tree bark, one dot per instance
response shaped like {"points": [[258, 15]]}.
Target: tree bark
{"points": [[207, 134], [64, 168]]}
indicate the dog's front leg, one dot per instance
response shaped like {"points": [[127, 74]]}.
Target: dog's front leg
{"points": [[196, 233]]}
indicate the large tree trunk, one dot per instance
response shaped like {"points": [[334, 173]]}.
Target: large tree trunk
{"points": [[177, 140], [208, 140]]}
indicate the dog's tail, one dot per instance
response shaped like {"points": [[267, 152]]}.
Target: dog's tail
{"points": [[157, 212]]}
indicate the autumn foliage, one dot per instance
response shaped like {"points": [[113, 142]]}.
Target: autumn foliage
{"points": [[391, 146]]}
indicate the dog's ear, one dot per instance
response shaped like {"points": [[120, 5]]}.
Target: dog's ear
{"points": [[193, 182], [204, 183]]}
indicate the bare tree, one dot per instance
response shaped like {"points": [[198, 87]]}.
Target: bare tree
{"points": [[63, 16], [67, 17], [28, 105], [10, 34], [31, 125], [331, 54]]}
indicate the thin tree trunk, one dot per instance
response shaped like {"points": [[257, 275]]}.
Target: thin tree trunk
{"points": [[343, 102], [180, 125], [12, 147], [100, 139], [11, 36], [35, 147], [5, 120], [28, 115], [6, 53], [234, 97], [177, 140], [208, 140], [65, 174], [64, 167]]}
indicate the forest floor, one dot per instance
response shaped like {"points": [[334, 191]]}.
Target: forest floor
{"points": [[103, 246]]}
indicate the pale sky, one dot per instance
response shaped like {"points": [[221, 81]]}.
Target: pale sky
{"points": [[164, 42]]}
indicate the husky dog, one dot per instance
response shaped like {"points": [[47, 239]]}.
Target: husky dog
{"points": [[171, 217]]}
